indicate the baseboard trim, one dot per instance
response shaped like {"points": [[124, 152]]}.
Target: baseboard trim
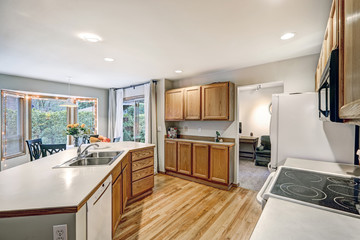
{"points": [[139, 197], [201, 181]]}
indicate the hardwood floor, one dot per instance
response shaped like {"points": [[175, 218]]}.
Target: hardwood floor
{"points": [[180, 209]]}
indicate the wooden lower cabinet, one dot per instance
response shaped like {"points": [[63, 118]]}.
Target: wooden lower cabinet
{"points": [[117, 202], [200, 165], [124, 187], [184, 157], [219, 164], [170, 155], [126, 179], [200, 162], [142, 185], [142, 173]]}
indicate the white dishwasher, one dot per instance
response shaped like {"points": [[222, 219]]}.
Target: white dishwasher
{"points": [[99, 213]]}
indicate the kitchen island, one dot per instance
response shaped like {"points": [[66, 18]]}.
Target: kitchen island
{"points": [[35, 196]]}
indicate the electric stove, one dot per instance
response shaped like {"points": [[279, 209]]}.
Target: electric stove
{"points": [[331, 192]]}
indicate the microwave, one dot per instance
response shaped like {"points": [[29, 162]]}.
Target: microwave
{"points": [[328, 92]]}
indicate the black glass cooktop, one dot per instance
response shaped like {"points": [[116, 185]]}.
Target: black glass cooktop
{"points": [[326, 190]]}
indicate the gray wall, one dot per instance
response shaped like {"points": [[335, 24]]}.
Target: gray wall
{"points": [[297, 74], [41, 86], [36, 227]]}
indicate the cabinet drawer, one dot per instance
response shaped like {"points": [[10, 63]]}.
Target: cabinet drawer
{"points": [[142, 173], [142, 154], [142, 185], [147, 162]]}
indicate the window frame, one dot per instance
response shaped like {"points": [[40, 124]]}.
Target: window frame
{"points": [[3, 124], [95, 100], [134, 99], [30, 97], [26, 126]]}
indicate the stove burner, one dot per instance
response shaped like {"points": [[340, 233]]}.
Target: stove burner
{"points": [[299, 176], [347, 191], [303, 191], [347, 203], [342, 181], [333, 192]]}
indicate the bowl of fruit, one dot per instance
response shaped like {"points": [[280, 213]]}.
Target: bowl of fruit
{"points": [[100, 138]]}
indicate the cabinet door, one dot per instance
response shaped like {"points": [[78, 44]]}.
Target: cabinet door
{"points": [[170, 155], [215, 101], [192, 97], [184, 157], [126, 185], [116, 202], [200, 160], [219, 164], [174, 104], [351, 64]]}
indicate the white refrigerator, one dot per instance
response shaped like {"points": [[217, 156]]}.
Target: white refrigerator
{"points": [[296, 131]]}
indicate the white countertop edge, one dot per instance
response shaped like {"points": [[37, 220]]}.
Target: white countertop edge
{"points": [[37, 185]]}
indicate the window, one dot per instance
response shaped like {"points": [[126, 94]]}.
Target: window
{"points": [[12, 125], [86, 113], [48, 120], [134, 120], [45, 118]]}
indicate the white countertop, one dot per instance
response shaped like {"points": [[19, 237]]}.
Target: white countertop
{"points": [[229, 144], [282, 219], [286, 220], [37, 185]]}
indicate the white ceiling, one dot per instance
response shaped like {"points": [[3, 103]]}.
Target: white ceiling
{"points": [[151, 38]]}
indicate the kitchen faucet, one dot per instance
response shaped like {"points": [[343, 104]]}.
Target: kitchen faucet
{"points": [[81, 154]]}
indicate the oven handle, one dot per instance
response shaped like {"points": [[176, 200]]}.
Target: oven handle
{"points": [[326, 86], [259, 197]]}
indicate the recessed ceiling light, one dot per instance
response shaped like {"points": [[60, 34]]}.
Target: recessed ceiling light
{"points": [[287, 36], [107, 59], [178, 71], [90, 37]]}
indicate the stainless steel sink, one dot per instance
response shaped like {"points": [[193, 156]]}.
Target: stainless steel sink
{"points": [[92, 159], [103, 154]]}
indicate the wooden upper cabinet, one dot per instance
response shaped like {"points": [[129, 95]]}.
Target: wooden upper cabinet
{"points": [[219, 164], [174, 104], [184, 157], [332, 38], [192, 97], [215, 101], [200, 163], [170, 155], [350, 111]]}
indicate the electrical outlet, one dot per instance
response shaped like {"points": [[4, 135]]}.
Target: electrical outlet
{"points": [[60, 232], [159, 129]]}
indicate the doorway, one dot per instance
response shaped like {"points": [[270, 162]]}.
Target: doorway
{"points": [[254, 109]]}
